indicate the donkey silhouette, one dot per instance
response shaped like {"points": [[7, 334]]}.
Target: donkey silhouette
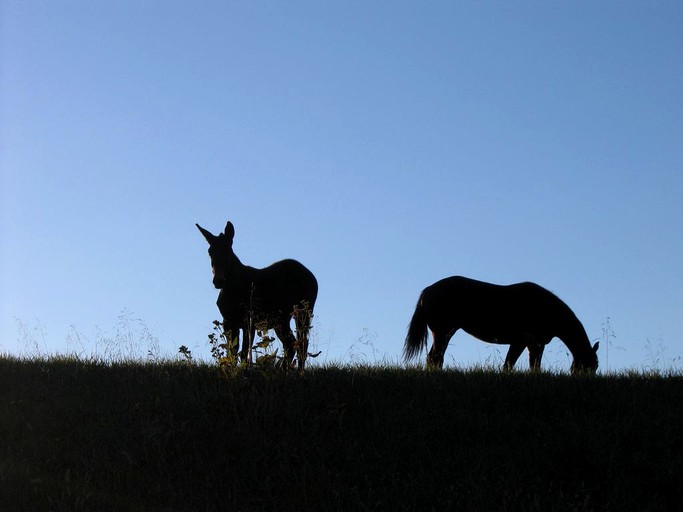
{"points": [[272, 294]]}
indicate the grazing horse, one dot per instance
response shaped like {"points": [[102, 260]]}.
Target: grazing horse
{"points": [[272, 295], [522, 315]]}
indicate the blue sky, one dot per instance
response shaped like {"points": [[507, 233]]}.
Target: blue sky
{"points": [[384, 144]]}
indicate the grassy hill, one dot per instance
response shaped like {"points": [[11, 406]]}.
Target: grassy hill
{"points": [[80, 435]]}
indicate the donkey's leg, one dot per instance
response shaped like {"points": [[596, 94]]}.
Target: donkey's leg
{"points": [[436, 353], [231, 331], [303, 326], [535, 355], [284, 332], [513, 354], [247, 342]]}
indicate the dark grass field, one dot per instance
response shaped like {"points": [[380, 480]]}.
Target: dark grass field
{"points": [[173, 436]]}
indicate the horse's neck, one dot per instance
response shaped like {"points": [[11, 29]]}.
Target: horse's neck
{"points": [[574, 336]]}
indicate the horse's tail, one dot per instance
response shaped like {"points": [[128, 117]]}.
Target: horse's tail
{"points": [[416, 340]]}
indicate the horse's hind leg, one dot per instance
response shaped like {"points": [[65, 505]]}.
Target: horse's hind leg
{"points": [[439, 346], [513, 354]]}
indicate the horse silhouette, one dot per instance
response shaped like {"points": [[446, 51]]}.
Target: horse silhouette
{"points": [[273, 295], [522, 315]]}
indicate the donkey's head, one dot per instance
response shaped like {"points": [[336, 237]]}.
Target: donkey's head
{"points": [[588, 362], [220, 251]]}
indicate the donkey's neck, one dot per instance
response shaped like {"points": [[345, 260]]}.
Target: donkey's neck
{"points": [[240, 272]]}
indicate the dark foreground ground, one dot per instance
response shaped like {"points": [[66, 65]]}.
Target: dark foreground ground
{"points": [[165, 437]]}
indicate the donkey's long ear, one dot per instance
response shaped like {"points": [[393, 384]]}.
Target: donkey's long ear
{"points": [[596, 347], [229, 231], [207, 234]]}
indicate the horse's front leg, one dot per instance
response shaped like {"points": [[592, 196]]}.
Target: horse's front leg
{"points": [[535, 355], [513, 354]]}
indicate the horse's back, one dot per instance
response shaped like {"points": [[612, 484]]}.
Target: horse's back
{"points": [[471, 300], [457, 299], [475, 290], [459, 286], [534, 295]]}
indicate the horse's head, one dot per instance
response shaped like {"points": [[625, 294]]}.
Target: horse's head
{"points": [[220, 251], [588, 362]]}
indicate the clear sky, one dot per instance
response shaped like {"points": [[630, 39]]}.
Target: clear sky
{"points": [[383, 144]]}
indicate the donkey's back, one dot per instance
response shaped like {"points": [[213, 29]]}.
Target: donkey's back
{"points": [[283, 285]]}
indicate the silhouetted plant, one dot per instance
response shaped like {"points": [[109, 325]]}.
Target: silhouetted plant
{"points": [[186, 353], [223, 348], [264, 354], [224, 351]]}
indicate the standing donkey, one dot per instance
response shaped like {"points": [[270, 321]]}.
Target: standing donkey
{"points": [[272, 295]]}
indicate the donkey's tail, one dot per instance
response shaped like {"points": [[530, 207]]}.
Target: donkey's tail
{"points": [[416, 340]]}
